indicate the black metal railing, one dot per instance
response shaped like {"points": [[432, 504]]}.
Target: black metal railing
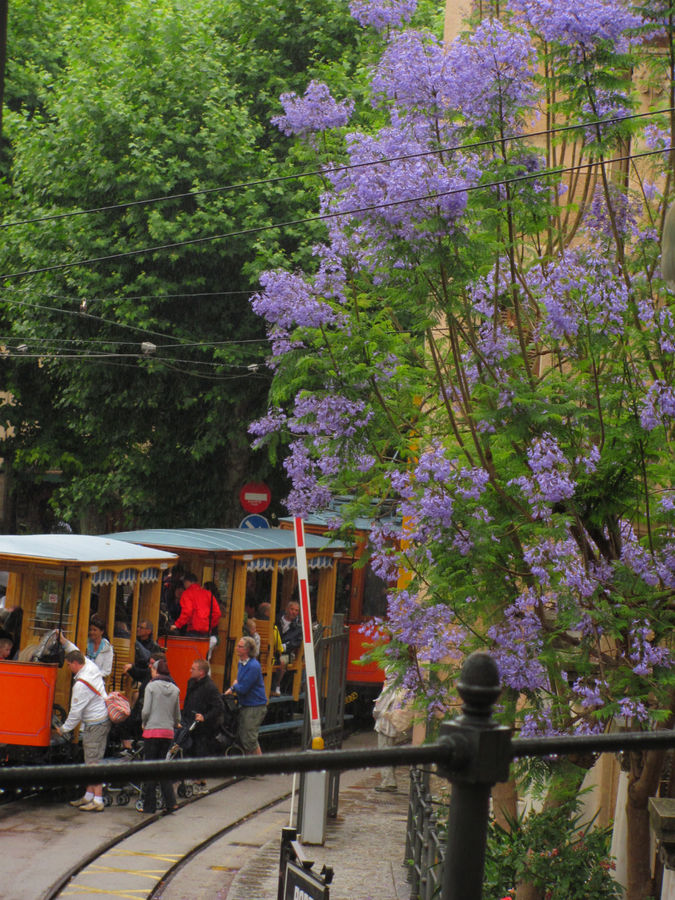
{"points": [[472, 752]]}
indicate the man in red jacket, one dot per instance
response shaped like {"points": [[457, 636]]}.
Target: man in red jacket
{"points": [[199, 610]]}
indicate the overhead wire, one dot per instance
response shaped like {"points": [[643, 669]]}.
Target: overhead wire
{"points": [[127, 254], [311, 173]]}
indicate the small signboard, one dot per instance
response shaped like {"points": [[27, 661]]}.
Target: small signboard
{"points": [[255, 497], [302, 884], [254, 521]]}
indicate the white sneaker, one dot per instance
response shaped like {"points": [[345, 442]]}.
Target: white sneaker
{"points": [[92, 807]]}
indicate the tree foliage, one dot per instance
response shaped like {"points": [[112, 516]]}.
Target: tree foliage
{"points": [[485, 341]]}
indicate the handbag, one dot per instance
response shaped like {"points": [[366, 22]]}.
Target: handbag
{"points": [[116, 703]]}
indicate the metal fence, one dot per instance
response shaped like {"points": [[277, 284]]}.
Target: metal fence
{"points": [[472, 752]]}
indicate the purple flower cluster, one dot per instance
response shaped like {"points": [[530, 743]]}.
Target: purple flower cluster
{"points": [[642, 653], [551, 481], [579, 24], [307, 494], [289, 301], [581, 293], [589, 694], [430, 491], [316, 111], [272, 423], [381, 14], [518, 640], [657, 405]]}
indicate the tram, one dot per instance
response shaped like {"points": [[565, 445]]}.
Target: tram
{"points": [[247, 567], [54, 583]]}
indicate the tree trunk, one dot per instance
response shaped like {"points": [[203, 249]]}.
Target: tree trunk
{"points": [[643, 782], [505, 803]]}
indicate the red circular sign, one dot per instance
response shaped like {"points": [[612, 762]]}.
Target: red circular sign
{"points": [[255, 497]]}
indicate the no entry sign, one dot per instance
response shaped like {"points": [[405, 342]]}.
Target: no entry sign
{"points": [[255, 497]]}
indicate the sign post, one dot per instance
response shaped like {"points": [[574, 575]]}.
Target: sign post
{"points": [[255, 497]]}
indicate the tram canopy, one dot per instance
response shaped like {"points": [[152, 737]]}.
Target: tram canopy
{"points": [[77, 549], [236, 541]]}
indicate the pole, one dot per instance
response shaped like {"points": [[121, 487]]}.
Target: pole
{"points": [[489, 752]]}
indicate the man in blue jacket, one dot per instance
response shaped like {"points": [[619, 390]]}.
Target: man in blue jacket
{"points": [[250, 692]]}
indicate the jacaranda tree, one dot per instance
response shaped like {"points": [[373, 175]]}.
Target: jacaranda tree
{"points": [[486, 340]]}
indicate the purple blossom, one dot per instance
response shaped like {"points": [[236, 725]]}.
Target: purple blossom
{"points": [[316, 111], [633, 709], [272, 423], [381, 14], [657, 405], [581, 292], [518, 642], [551, 482], [307, 494], [579, 24], [643, 655], [589, 695]]}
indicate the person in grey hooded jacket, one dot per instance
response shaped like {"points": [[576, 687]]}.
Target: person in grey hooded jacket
{"points": [[160, 716]]}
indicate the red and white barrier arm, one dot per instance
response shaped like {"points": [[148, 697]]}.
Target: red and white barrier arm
{"points": [[306, 618]]}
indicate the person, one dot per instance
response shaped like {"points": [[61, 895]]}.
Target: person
{"points": [[146, 645], [264, 611], [252, 630], [393, 720], [99, 648], [160, 718], [249, 689], [130, 730], [203, 705], [6, 645], [87, 707], [287, 640], [199, 609]]}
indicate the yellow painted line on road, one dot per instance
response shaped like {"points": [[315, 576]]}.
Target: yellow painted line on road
{"points": [[155, 874], [165, 857], [79, 890]]}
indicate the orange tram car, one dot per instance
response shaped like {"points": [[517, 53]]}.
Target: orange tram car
{"points": [[54, 583]]}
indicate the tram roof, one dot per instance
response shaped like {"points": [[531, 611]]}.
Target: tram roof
{"points": [[77, 548], [232, 540]]}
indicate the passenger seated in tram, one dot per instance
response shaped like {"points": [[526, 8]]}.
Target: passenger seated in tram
{"points": [[287, 641], [99, 649], [6, 647]]}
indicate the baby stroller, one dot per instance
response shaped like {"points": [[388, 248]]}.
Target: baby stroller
{"points": [[177, 751], [121, 794], [226, 738]]}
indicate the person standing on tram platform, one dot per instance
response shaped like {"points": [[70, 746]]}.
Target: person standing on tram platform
{"points": [[249, 689]]}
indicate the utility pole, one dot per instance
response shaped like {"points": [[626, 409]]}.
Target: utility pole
{"points": [[4, 4]]}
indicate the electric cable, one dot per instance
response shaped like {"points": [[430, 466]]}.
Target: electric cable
{"points": [[330, 169], [259, 229]]}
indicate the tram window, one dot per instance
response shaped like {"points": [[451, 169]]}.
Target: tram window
{"points": [[48, 612], [343, 589], [374, 595], [4, 578]]}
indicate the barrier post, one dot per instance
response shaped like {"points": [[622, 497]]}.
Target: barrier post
{"points": [[315, 785], [489, 753]]}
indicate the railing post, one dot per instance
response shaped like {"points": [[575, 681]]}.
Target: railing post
{"points": [[489, 753]]}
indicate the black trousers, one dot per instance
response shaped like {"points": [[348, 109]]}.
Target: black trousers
{"points": [[157, 748]]}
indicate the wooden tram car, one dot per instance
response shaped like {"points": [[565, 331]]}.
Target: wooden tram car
{"points": [[248, 567], [55, 582]]}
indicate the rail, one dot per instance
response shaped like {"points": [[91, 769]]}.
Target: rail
{"points": [[472, 752]]}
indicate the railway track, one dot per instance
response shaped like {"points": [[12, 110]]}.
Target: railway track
{"points": [[121, 854]]}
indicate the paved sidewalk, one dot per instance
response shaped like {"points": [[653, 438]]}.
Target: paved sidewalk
{"points": [[364, 846]]}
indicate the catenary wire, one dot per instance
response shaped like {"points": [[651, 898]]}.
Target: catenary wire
{"points": [[322, 172], [258, 229]]}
